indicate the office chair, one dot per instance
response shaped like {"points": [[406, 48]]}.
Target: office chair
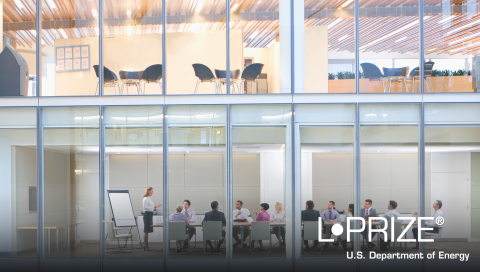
{"points": [[204, 74], [176, 231], [427, 73], [153, 74], [260, 231], [222, 78], [112, 235], [110, 79], [396, 74], [251, 74]]}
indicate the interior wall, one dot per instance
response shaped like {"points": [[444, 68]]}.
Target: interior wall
{"points": [[475, 195], [316, 59]]}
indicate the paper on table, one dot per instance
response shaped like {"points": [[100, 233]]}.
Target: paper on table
{"points": [[249, 219]]}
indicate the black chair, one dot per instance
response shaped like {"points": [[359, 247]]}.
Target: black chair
{"points": [[251, 74], [427, 74], [397, 75], [204, 74], [371, 72], [110, 79], [153, 74], [222, 78]]}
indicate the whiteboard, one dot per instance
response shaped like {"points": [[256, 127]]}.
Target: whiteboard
{"points": [[122, 209]]}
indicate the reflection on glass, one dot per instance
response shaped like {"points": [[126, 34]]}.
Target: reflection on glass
{"points": [[134, 165], [197, 181], [71, 156], [389, 46], [18, 75], [260, 163], [133, 47], [329, 46], [18, 183], [452, 159], [389, 169]]}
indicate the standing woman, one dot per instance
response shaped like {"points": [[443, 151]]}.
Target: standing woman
{"points": [[148, 208], [279, 216]]}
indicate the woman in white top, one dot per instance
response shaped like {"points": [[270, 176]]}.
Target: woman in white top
{"points": [[148, 208], [279, 216]]}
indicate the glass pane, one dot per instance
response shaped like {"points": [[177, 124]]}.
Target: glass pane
{"points": [[71, 156], [257, 62], [18, 183], [389, 168], [18, 48], [261, 166], [329, 46], [196, 46], [327, 176], [70, 52], [389, 46], [197, 181], [451, 46], [452, 191], [133, 164], [132, 47]]}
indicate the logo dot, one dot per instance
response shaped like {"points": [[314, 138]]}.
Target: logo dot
{"points": [[337, 229]]}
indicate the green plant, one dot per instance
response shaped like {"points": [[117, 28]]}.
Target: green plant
{"points": [[331, 76], [349, 75], [341, 75]]}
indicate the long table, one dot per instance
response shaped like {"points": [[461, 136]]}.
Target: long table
{"points": [[54, 226]]}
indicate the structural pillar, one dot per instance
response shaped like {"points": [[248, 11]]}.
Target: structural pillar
{"points": [[1, 24], [287, 25]]}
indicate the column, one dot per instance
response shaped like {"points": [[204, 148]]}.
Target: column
{"points": [[285, 46], [1, 24]]}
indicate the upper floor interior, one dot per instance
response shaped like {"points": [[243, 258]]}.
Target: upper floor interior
{"points": [[182, 47]]}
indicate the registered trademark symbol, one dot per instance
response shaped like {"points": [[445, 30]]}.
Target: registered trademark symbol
{"points": [[439, 220]]}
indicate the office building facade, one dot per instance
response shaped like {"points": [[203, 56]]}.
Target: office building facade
{"points": [[241, 102]]}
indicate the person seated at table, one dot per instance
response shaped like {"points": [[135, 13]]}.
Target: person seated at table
{"points": [[330, 215], [392, 213], [262, 216], [178, 216], [215, 215], [350, 212], [240, 214], [278, 216], [437, 206], [309, 214], [366, 212], [191, 216]]}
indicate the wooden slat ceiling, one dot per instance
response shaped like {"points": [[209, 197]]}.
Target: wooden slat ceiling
{"points": [[381, 32]]}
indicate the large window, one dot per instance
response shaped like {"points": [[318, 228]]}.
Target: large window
{"points": [[18, 189], [451, 45], [71, 181], [133, 162], [196, 181], [389, 168], [261, 164], [325, 166], [452, 190]]}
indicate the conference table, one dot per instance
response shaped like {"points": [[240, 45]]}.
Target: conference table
{"points": [[55, 226]]}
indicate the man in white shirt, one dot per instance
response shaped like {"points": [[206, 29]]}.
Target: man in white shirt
{"points": [[392, 213], [191, 216], [437, 206], [240, 214]]}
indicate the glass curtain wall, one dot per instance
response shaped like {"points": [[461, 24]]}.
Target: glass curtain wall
{"points": [[197, 181], [325, 166], [18, 194], [196, 46], [451, 46], [71, 179], [133, 163], [452, 191], [18, 48], [132, 47], [389, 170], [329, 46], [261, 170], [70, 49], [389, 46]]}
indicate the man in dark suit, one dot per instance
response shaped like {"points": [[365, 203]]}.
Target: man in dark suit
{"points": [[215, 215], [309, 214], [366, 212]]}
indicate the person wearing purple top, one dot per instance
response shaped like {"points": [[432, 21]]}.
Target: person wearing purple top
{"points": [[262, 216]]}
